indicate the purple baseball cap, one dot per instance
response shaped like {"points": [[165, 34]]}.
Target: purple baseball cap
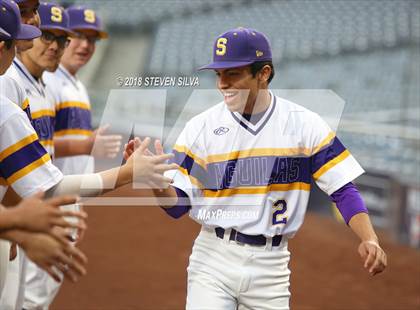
{"points": [[239, 47], [53, 17], [21, 1], [82, 18], [11, 27]]}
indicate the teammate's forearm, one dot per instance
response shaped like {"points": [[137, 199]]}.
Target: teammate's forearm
{"points": [[72, 147], [362, 227], [90, 185], [8, 219], [116, 177]]}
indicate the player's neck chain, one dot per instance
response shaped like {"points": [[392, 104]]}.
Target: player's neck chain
{"points": [[38, 85]]}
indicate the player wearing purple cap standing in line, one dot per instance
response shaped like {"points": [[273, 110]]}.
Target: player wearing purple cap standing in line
{"points": [[73, 118], [246, 166], [73, 111], [44, 246]]}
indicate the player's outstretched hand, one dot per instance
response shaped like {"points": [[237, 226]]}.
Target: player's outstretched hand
{"points": [[374, 258], [52, 254], [105, 146], [135, 143], [37, 215], [149, 168]]}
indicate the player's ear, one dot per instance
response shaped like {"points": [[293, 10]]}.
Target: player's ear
{"points": [[264, 73]]}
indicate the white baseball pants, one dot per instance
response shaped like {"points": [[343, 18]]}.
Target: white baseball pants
{"points": [[227, 275]]}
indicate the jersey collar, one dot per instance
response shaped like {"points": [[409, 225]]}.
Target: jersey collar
{"points": [[255, 129], [71, 78], [37, 84]]}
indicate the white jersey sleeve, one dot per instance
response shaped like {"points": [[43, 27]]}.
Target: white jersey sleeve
{"points": [[332, 165], [24, 164], [10, 89], [189, 155]]}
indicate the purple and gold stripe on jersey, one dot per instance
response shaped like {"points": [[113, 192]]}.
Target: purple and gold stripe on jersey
{"points": [[190, 165], [282, 152], [257, 175], [258, 171], [21, 158], [27, 109], [73, 118], [245, 174], [43, 123], [328, 157]]}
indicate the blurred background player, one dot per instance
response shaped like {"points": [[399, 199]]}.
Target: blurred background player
{"points": [[30, 64], [32, 214], [73, 118]]}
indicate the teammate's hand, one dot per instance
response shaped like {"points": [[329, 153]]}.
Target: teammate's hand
{"points": [[134, 144], [105, 146], [51, 254], [149, 168], [34, 214], [128, 149], [373, 256]]}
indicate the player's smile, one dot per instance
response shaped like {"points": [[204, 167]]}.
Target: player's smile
{"points": [[238, 87]]}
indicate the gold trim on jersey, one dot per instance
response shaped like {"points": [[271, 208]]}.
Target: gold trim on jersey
{"points": [[257, 190], [299, 151], [193, 180], [185, 150], [42, 113], [47, 142], [330, 164], [65, 132], [17, 146], [25, 104], [72, 104], [29, 168], [328, 139]]}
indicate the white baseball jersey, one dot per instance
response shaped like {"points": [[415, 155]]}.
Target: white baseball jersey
{"points": [[41, 102], [15, 93], [23, 160], [73, 117], [255, 178], [26, 166]]}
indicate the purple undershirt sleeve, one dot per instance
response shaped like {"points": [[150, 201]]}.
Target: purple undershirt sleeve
{"points": [[348, 201], [181, 207]]}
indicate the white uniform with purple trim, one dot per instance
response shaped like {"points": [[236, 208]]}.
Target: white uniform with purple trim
{"points": [[22, 160], [41, 103], [38, 290], [73, 118], [254, 178]]}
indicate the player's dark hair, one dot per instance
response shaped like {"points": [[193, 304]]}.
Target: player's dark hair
{"points": [[258, 65]]}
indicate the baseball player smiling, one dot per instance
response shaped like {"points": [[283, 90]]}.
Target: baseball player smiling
{"points": [[256, 153]]}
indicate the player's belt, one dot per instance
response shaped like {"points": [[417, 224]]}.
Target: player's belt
{"points": [[248, 239]]}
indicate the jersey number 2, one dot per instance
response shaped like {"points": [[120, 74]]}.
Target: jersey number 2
{"points": [[280, 208]]}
